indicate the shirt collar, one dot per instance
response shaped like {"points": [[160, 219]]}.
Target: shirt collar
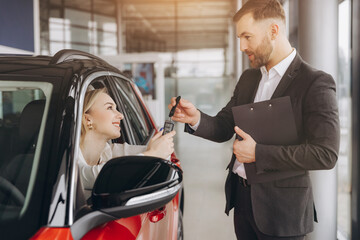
{"points": [[282, 66]]}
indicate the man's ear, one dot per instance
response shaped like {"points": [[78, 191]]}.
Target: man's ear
{"points": [[274, 31]]}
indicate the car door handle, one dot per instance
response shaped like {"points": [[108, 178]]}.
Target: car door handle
{"points": [[157, 215]]}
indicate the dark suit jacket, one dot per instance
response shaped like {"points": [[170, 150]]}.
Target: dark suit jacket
{"points": [[284, 207]]}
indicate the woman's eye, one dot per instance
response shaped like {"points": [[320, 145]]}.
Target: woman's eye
{"points": [[247, 37], [109, 108]]}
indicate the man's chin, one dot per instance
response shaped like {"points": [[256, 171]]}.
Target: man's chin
{"points": [[256, 65]]}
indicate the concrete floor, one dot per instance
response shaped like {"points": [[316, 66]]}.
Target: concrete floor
{"points": [[204, 164]]}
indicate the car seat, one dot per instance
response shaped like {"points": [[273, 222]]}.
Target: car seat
{"points": [[18, 170]]}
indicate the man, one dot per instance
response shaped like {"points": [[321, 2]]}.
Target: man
{"points": [[278, 208]]}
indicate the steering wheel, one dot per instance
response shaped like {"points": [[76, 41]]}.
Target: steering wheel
{"points": [[10, 190]]}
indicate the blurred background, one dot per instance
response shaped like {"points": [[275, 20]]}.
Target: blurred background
{"points": [[189, 48]]}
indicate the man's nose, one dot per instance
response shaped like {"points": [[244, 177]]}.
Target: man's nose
{"points": [[243, 46]]}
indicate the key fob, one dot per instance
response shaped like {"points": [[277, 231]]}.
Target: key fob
{"points": [[168, 126]]}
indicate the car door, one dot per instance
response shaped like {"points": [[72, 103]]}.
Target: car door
{"points": [[27, 107]]}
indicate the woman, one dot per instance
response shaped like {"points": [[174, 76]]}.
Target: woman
{"points": [[100, 124]]}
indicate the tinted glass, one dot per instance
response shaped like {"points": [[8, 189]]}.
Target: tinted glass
{"points": [[133, 111], [21, 118]]}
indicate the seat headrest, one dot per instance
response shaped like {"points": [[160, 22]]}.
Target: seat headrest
{"points": [[30, 120]]}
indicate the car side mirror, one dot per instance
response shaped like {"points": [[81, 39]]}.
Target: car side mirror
{"points": [[128, 186], [134, 180]]}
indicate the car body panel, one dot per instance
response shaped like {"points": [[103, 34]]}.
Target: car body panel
{"points": [[46, 233]]}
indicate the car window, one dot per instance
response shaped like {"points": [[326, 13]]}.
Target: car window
{"points": [[133, 112], [23, 108]]}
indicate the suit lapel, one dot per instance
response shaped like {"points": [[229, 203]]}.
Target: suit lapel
{"points": [[288, 77]]}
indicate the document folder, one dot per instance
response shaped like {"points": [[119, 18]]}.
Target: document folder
{"points": [[268, 122]]}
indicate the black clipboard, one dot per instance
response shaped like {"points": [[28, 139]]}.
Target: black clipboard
{"points": [[268, 122]]}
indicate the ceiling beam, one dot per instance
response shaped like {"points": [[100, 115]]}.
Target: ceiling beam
{"points": [[195, 32], [172, 2], [179, 17]]}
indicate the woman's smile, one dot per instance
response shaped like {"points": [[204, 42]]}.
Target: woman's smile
{"points": [[116, 124]]}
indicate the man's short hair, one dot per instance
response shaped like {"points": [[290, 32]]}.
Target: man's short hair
{"points": [[261, 9]]}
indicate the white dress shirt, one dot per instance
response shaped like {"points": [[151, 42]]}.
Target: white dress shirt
{"points": [[268, 83], [89, 173]]}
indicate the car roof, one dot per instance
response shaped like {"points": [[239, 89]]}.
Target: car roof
{"points": [[56, 66]]}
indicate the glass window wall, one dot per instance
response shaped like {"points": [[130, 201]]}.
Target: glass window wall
{"points": [[88, 26]]}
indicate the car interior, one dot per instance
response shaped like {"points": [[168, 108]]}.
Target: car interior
{"points": [[19, 134]]}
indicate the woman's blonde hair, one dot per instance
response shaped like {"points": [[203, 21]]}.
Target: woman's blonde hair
{"points": [[90, 97]]}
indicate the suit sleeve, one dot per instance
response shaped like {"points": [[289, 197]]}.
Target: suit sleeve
{"points": [[322, 134]]}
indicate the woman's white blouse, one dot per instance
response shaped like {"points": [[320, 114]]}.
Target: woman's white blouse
{"points": [[89, 173]]}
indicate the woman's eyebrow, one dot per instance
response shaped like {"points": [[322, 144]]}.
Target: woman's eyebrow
{"points": [[112, 104]]}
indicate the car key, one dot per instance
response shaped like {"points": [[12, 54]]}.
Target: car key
{"points": [[169, 124]]}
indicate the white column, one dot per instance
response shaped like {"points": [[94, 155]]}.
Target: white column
{"points": [[237, 53], [120, 28], [36, 27], [318, 35]]}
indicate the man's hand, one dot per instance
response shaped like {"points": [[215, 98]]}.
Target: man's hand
{"points": [[185, 112], [244, 150]]}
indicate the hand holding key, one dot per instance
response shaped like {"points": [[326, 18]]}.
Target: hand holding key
{"points": [[185, 112], [169, 124]]}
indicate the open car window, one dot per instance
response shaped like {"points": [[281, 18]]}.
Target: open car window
{"points": [[133, 112], [23, 111]]}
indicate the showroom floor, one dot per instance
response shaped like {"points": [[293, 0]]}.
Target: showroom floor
{"points": [[204, 164]]}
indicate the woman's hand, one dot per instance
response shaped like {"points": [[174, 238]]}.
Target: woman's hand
{"points": [[161, 146]]}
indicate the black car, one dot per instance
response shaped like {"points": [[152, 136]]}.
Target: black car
{"points": [[41, 100]]}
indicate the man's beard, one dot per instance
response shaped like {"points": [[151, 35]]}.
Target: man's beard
{"points": [[261, 53]]}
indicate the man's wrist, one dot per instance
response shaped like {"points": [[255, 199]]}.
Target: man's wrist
{"points": [[197, 120]]}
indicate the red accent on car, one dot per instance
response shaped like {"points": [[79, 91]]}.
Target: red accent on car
{"points": [[53, 234], [175, 160], [125, 228], [157, 215]]}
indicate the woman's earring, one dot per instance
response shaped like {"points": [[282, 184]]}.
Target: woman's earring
{"points": [[90, 126]]}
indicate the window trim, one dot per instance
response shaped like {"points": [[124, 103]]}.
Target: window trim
{"points": [[71, 197]]}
